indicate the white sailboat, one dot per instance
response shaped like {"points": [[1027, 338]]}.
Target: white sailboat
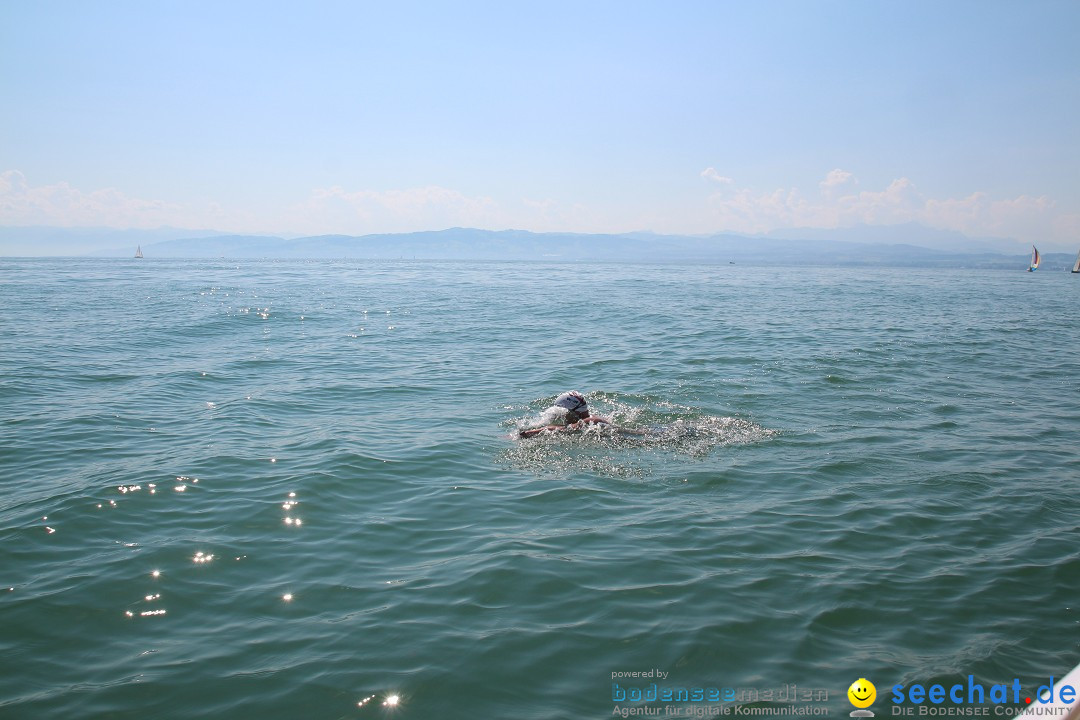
{"points": [[1076, 265], [1035, 259], [138, 251]]}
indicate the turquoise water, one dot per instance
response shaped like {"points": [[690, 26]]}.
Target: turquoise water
{"points": [[851, 473]]}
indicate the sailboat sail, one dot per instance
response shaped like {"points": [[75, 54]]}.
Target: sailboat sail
{"points": [[138, 252], [1076, 265], [1035, 258]]}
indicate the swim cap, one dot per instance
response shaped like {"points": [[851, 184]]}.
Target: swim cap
{"points": [[573, 402]]}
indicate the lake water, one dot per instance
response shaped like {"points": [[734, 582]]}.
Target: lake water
{"points": [[292, 489]]}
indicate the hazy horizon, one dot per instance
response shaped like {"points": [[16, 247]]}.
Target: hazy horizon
{"points": [[897, 246]]}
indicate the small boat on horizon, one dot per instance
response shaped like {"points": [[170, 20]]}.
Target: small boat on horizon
{"points": [[1035, 258], [1076, 265], [138, 251]]}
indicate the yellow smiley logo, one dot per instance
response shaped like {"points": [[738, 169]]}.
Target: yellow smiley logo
{"points": [[862, 693]]}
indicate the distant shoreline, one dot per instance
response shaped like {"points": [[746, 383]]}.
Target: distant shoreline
{"points": [[897, 246]]}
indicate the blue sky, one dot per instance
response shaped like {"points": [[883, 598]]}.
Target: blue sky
{"points": [[686, 117]]}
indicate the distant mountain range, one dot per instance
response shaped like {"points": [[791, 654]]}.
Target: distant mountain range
{"points": [[907, 245]]}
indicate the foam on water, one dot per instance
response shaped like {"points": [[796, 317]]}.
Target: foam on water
{"points": [[642, 428]]}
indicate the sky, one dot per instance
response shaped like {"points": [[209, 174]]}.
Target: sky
{"points": [[292, 118]]}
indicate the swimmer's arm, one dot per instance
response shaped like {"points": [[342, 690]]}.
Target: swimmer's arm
{"points": [[573, 427], [536, 431], [579, 425]]}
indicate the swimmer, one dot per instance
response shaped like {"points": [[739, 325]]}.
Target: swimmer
{"points": [[572, 410]]}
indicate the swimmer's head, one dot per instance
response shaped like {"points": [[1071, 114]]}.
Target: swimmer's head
{"points": [[574, 404]]}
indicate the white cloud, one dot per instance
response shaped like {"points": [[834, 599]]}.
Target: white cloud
{"points": [[325, 210], [711, 174], [839, 204], [65, 206], [359, 212], [901, 202], [1023, 216], [839, 201], [836, 182], [335, 209]]}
